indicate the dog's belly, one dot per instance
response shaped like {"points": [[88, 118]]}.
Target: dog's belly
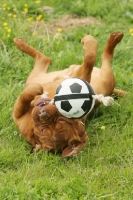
{"points": [[56, 78], [50, 81], [43, 78]]}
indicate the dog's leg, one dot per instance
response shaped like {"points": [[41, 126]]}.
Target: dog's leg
{"points": [[113, 40], [22, 111], [107, 55], [90, 47], [23, 102], [42, 62], [106, 70], [103, 81], [83, 71]]}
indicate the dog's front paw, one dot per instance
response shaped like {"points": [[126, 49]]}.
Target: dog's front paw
{"points": [[20, 43]]}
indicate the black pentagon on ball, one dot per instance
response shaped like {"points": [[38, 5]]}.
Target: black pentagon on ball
{"points": [[86, 105], [58, 89], [66, 106], [75, 88]]}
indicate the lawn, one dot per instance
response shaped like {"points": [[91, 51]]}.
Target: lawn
{"points": [[104, 168]]}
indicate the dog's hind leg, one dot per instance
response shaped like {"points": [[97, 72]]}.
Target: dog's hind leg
{"points": [[42, 62], [107, 56], [90, 47], [108, 52], [84, 70], [106, 70]]}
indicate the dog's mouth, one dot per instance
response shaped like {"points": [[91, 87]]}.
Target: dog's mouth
{"points": [[45, 111], [42, 102], [40, 109]]}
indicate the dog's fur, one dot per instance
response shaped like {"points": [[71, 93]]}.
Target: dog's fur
{"points": [[39, 122]]}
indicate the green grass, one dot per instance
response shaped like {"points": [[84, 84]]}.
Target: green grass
{"points": [[104, 168]]}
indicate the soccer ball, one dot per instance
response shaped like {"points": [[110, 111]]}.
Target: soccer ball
{"points": [[73, 98]]}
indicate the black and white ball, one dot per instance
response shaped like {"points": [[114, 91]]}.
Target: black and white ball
{"points": [[73, 98]]}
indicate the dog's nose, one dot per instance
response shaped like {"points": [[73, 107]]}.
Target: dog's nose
{"points": [[42, 112]]}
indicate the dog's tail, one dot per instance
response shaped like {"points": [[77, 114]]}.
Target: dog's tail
{"points": [[119, 93]]}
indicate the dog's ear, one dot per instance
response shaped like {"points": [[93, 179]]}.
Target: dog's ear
{"points": [[73, 150]]}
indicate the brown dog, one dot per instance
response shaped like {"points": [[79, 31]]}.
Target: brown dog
{"points": [[39, 122]]}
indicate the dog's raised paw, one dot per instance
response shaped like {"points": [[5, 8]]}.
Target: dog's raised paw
{"points": [[20, 43], [87, 38], [89, 43], [115, 37]]}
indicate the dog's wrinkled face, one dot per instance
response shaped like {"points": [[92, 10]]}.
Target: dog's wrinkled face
{"points": [[56, 133]]}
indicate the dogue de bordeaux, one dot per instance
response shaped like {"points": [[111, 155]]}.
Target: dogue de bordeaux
{"points": [[38, 120]]}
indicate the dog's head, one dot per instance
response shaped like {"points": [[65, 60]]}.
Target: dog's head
{"points": [[56, 133]]}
